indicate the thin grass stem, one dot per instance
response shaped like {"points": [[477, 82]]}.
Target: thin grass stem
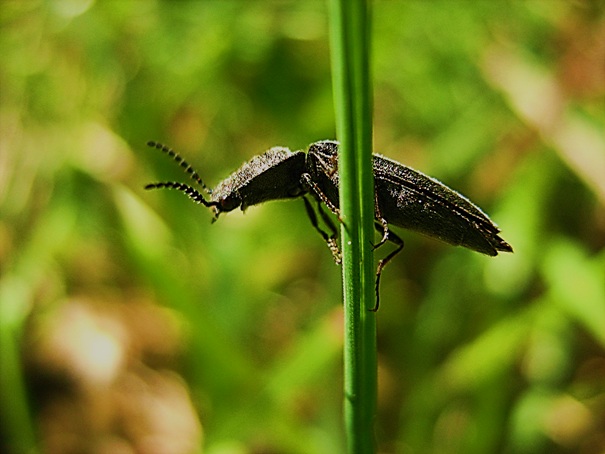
{"points": [[350, 35]]}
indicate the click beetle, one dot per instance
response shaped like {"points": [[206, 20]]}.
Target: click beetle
{"points": [[403, 196]]}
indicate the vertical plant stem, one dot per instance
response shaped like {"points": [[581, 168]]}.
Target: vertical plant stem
{"points": [[350, 34], [17, 426]]}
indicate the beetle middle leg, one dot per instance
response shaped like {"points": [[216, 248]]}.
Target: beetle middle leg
{"points": [[330, 239], [388, 235]]}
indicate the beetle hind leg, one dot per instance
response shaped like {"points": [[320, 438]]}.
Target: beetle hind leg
{"points": [[382, 227], [393, 238]]}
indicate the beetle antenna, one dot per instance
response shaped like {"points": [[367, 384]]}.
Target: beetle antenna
{"points": [[192, 193], [184, 164]]}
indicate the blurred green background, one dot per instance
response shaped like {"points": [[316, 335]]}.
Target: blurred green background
{"points": [[130, 323]]}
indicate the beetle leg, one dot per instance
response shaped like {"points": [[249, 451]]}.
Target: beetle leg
{"points": [[319, 193], [381, 225], [331, 240], [327, 220], [390, 236]]}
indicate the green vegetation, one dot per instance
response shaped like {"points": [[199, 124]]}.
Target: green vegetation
{"points": [[127, 315]]}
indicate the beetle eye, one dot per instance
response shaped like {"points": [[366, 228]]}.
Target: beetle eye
{"points": [[229, 203]]}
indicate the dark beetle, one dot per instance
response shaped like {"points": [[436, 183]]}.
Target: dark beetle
{"points": [[404, 197]]}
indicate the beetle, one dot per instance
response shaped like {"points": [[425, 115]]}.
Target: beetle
{"points": [[404, 197]]}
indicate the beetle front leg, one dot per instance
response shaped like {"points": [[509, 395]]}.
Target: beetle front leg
{"points": [[331, 240], [320, 194]]}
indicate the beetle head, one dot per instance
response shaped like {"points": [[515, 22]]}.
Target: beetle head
{"points": [[225, 204]]}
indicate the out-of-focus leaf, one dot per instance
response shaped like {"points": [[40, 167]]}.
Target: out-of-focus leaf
{"points": [[577, 285], [490, 354]]}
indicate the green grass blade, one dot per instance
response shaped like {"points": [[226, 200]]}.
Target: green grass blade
{"points": [[350, 33]]}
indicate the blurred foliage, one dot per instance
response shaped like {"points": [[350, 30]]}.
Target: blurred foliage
{"points": [[129, 321]]}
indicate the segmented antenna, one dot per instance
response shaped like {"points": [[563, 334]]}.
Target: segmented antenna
{"points": [[192, 193], [184, 164]]}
